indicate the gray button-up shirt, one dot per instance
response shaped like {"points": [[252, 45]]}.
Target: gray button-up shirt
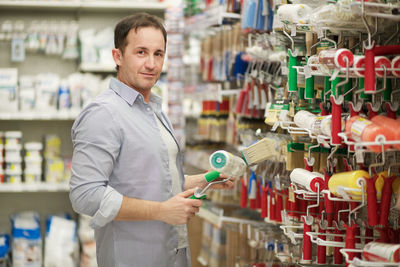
{"points": [[118, 151]]}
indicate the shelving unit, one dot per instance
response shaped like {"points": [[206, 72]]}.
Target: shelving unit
{"points": [[35, 187], [109, 6]]}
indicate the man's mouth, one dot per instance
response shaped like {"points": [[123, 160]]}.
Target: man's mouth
{"points": [[148, 74]]}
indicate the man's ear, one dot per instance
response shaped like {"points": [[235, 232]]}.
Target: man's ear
{"points": [[117, 55]]}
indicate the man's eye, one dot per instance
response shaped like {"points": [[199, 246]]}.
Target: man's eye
{"points": [[140, 52]]}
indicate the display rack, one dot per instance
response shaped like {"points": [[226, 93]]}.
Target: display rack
{"points": [[35, 187], [57, 115], [77, 5]]}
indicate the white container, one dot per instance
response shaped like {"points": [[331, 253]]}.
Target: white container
{"points": [[13, 147], [13, 138], [11, 154], [13, 163], [32, 175], [13, 176], [33, 149], [33, 162]]}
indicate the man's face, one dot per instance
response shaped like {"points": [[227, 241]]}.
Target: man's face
{"points": [[141, 63]]}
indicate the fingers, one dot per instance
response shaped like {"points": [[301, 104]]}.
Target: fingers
{"points": [[187, 193]]}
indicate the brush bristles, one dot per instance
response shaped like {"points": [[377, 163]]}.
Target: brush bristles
{"points": [[260, 151]]}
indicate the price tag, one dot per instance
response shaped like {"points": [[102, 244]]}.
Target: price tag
{"points": [[293, 30], [307, 71], [284, 70]]}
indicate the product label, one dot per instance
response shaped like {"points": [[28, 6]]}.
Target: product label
{"points": [[358, 127]]}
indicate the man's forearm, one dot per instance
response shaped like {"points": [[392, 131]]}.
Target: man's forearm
{"points": [[133, 209]]}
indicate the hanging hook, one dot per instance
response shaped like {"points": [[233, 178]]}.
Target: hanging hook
{"points": [[328, 159], [290, 38], [378, 164], [366, 23]]}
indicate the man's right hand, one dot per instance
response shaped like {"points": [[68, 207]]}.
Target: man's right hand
{"points": [[180, 208]]}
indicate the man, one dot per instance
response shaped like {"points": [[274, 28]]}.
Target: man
{"points": [[127, 166]]}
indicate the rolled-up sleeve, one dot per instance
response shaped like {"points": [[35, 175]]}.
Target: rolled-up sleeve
{"points": [[97, 140]]}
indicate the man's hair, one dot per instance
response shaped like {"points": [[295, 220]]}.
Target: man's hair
{"points": [[136, 21]]}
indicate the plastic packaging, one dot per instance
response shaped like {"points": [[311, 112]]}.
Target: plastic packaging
{"points": [[226, 163], [317, 124], [307, 179], [377, 251], [396, 65], [297, 14], [381, 61], [336, 58], [390, 124], [348, 180], [361, 129]]}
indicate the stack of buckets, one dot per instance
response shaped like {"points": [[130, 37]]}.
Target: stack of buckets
{"points": [[33, 162], [13, 159]]}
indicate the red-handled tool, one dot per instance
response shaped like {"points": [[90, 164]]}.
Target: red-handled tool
{"points": [[243, 194], [370, 53], [279, 206], [372, 203], [337, 256], [385, 200], [264, 201], [321, 250], [307, 245], [350, 239], [336, 119], [258, 196]]}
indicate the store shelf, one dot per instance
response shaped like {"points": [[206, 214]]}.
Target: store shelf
{"points": [[35, 187], [25, 115], [83, 5], [96, 67]]}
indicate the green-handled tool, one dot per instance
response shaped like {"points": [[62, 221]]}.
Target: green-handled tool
{"points": [[292, 76], [199, 193]]}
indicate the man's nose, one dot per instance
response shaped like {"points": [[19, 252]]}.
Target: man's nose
{"points": [[150, 62]]}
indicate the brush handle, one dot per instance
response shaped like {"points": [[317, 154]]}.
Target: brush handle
{"points": [[243, 194]]}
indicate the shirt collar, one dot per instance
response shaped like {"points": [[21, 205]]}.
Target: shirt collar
{"points": [[130, 95]]}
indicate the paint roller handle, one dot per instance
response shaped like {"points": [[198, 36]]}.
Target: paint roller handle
{"points": [[211, 176]]}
